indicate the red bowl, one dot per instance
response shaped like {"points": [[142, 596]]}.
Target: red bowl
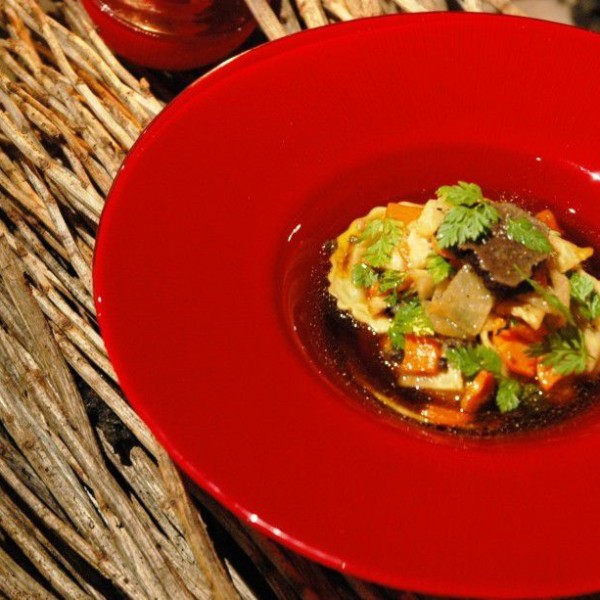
{"points": [[202, 265]]}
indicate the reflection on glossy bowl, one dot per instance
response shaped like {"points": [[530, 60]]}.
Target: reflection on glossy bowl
{"points": [[203, 253]]}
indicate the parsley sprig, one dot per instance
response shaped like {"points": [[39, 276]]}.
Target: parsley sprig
{"points": [[409, 317], [524, 232], [439, 268], [551, 299], [585, 296], [508, 396], [472, 359], [380, 237], [471, 217], [564, 350]]}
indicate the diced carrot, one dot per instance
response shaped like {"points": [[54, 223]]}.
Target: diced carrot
{"points": [[478, 392], [523, 332], [547, 377], [564, 392], [542, 275], [547, 217], [421, 355], [403, 212], [513, 351], [450, 417]]}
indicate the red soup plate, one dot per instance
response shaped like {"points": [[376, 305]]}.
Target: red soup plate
{"points": [[212, 234]]}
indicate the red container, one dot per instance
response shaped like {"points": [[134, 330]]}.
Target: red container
{"points": [[172, 34]]}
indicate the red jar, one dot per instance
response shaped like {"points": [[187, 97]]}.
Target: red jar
{"points": [[172, 34]]}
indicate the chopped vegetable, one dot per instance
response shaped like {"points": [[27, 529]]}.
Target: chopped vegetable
{"points": [[401, 211], [460, 310], [513, 348], [547, 376], [421, 355], [446, 416], [547, 217], [478, 392]]}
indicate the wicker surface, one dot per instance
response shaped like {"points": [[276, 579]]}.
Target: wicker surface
{"points": [[90, 505]]}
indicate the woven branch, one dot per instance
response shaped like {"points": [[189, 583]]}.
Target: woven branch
{"points": [[315, 13]]}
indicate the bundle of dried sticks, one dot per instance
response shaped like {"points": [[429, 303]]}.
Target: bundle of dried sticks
{"points": [[295, 15]]}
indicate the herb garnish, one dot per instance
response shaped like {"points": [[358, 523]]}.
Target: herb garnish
{"points": [[508, 396], [363, 275], [439, 268], [472, 359], [381, 237], [409, 317], [471, 218], [585, 296], [564, 350], [551, 299], [461, 194], [526, 233]]}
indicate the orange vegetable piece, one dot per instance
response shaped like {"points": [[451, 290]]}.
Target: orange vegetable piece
{"points": [[403, 212], [547, 377], [450, 417], [564, 392], [547, 217], [478, 392], [513, 350], [421, 355]]}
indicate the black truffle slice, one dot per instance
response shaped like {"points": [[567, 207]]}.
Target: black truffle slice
{"points": [[499, 259]]}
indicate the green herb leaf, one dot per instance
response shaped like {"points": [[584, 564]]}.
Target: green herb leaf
{"points": [[462, 194], [564, 350], [473, 359], [584, 294], [381, 237], [390, 280], [363, 275], [551, 299], [525, 232], [410, 317], [508, 396], [466, 224], [439, 268]]}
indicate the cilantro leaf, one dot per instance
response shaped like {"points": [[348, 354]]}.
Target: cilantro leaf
{"points": [[508, 396], [462, 194], [439, 268], [363, 275], [381, 237], [466, 224], [410, 317], [525, 232], [564, 350], [473, 359], [390, 280], [584, 294]]}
